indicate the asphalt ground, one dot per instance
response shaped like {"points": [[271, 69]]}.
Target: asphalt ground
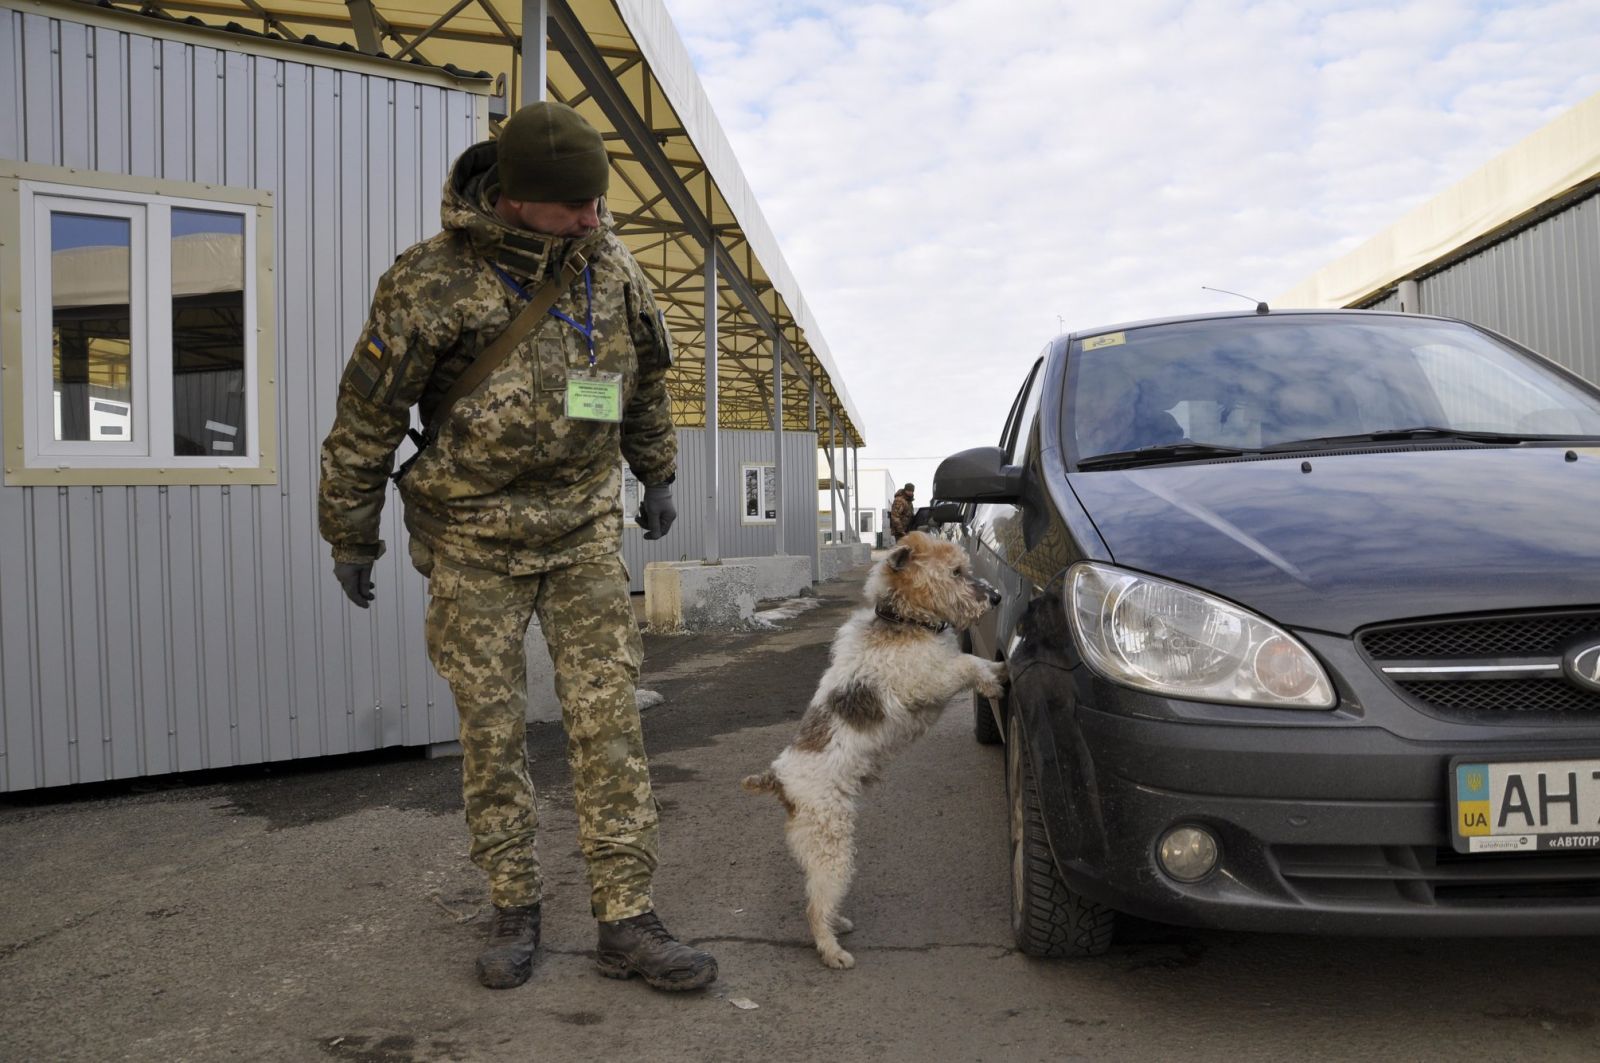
{"points": [[327, 911]]}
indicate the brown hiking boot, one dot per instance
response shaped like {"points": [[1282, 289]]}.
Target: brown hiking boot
{"points": [[641, 946], [507, 956]]}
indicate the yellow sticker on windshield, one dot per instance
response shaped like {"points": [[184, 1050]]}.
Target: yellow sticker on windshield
{"points": [[1110, 339]]}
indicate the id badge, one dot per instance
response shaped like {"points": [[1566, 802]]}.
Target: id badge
{"points": [[594, 396]]}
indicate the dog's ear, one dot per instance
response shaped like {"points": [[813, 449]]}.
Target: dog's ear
{"points": [[900, 558]]}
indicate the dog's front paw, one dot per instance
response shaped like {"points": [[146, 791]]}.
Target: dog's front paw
{"points": [[838, 959], [994, 684]]}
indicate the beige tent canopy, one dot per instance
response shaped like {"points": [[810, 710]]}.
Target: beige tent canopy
{"points": [[202, 264], [677, 192]]}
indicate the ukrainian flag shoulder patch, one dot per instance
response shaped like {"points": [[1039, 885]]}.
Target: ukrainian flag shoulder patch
{"points": [[375, 346]]}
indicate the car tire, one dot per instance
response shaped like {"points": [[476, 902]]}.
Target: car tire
{"points": [[984, 727], [1048, 919]]}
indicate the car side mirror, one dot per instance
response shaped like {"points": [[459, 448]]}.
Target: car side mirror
{"points": [[945, 513], [978, 475]]}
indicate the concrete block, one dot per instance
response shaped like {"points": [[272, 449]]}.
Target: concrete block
{"points": [[695, 596], [838, 558]]}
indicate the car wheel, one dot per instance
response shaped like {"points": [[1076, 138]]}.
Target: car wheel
{"points": [[984, 727], [1047, 918]]}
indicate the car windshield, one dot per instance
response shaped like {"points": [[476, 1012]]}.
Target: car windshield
{"points": [[1210, 388]]}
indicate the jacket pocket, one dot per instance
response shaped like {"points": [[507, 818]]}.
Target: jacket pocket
{"points": [[444, 583], [550, 356]]}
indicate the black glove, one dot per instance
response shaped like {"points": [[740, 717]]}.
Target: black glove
{"points": [[356, 579], [656, 512]]}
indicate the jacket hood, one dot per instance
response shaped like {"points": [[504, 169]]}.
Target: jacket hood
{"points": [[1363, 538]]}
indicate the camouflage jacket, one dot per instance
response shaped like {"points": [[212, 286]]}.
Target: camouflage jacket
{"points": [[900, 514], [511, 483]]}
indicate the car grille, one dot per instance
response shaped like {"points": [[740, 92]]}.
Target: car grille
{"points": [[1507, 665], [1423, 875], [1474, 698], [1517, 636]]}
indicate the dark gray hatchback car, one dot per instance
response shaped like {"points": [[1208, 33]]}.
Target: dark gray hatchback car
{"points": [[1302, 613]]}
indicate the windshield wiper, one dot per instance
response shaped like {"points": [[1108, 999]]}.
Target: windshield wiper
{"points": [[1159, 453], [1390, 435]]}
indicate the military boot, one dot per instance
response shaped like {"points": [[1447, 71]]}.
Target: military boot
{"points": [[641, 946], [507, 956]]}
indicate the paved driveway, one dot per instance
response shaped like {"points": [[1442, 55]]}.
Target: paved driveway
{"points": [[329, 913]]}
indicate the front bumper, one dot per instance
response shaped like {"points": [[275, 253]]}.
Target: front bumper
{"points": [[1337, 828]]}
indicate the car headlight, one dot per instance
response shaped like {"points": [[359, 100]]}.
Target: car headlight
{"points": [[1165, 638]]}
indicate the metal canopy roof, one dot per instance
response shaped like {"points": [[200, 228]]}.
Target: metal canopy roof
{"points": [[676, 186]]}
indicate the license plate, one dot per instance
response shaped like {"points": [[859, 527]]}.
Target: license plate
{"points": [[1525, 806]]}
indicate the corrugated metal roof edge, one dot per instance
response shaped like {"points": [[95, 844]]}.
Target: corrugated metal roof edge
{"points": [[90, 11], [664, 50], [1550, 164]]}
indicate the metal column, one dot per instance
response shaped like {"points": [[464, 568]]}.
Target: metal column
{"points": [[832, 473], [816, 532], [777, 440], [713, 545], [535, 60], [1410, 296], [855, 482], [365, 24]]}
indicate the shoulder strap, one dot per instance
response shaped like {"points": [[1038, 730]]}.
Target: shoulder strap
{"points": [[491, 356]]}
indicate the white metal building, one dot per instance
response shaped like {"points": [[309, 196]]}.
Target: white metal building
{"points": [[192, 221], [1515, 247]]}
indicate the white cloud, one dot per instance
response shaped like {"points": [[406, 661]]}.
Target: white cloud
{"points": [[946, 178]]}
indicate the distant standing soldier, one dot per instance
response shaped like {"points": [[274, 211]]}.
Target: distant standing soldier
{"points": [[512, 506], [901, 511]]}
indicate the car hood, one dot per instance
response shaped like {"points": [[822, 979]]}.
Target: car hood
{"points": [[1363, 538]]}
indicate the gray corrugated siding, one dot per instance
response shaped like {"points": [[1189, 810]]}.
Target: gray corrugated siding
{"points": [[146, 630], [1541, 287], [735, 539]]}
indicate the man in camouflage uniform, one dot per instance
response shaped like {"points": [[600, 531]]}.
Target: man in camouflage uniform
{"points": [[514, 509], [901, 510]]}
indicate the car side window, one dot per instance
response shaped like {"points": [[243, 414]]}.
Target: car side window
{"points": [[1015, 440]]}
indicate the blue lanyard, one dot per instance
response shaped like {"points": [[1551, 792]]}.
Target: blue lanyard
{"points": [[586, 330]]}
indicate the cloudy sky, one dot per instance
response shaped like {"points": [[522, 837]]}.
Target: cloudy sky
{"points": [[953, 181]]}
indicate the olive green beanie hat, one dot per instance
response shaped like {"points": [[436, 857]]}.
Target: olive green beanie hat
{"points": [[548, 153]]}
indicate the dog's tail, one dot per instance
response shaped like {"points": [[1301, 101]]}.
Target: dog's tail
{"points": [[764, 783]]}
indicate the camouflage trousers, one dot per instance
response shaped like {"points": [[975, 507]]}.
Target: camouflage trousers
{"points": [[477, 620]]}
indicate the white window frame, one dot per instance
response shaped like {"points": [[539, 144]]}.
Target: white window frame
{"points": [[28, 197], [631, 496], [767, 473]]}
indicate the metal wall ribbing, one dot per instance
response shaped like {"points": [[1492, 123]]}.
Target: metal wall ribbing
{"points": [[798, 506], [1540, 286], [146, 630]]}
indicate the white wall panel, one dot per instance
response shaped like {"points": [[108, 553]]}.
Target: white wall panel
{"points": [[1540, 286], [735, 538], [146, 630]]}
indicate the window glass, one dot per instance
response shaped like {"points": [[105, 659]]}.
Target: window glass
{"points": [[760, 494], [1018, 442], [1491, 395], [91, 339], [208, 380], [632, 496], [1261, 382]]}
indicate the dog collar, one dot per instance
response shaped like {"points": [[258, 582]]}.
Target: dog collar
{"points": [[885, 613]]}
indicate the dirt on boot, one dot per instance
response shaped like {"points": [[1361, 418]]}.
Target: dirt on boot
{"points": [[642, 946], [507, 956]]}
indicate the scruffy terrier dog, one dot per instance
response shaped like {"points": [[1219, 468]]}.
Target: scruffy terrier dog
{"points": [[894, 665]]}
